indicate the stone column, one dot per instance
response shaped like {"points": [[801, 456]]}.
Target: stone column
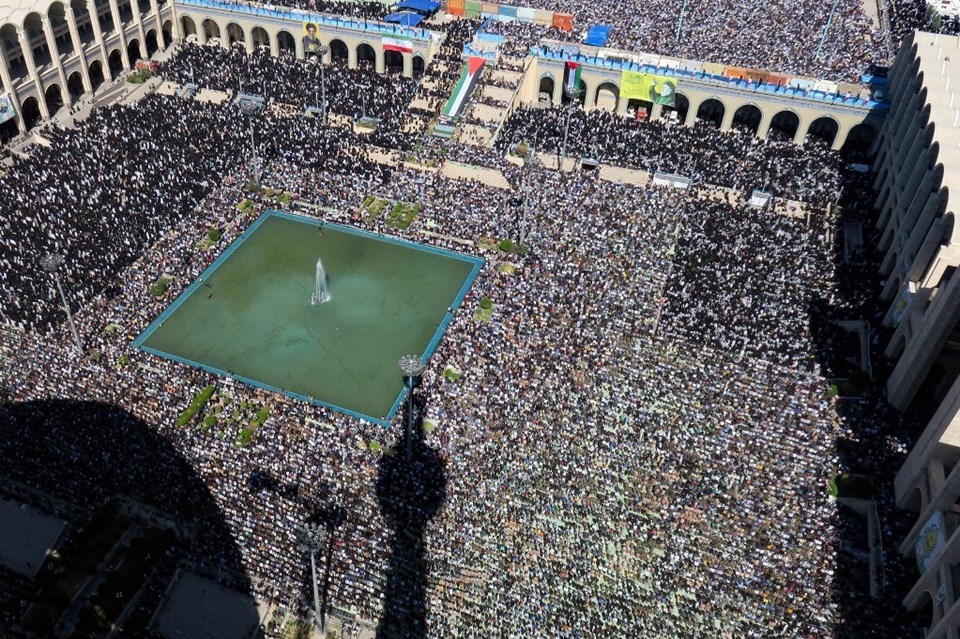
{"points": [[118, 26], [351, 56], [691, 118], [78, 45], [557, 90], [764, 128], [590, 98], [379, 62], [55, 57], [408, 65], [248, 40], [135, 7], [32, 70], [622, 104], [155, 8], [656, 111], [8, 86], [274, 43], [98, 37], [727, 121]]}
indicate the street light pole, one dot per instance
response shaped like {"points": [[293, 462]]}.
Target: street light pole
{"points": [[323, 50], [412, 367], [574, 94], [250, 109], [50, 263], [309, 539]]}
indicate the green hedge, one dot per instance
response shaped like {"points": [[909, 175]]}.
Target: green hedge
{"points": [[196, 405], [214, 235], [485, 303], [506, 246], [159, 287]]}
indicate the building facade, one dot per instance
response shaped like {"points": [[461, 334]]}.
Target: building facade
{"points": [[55, 51]]}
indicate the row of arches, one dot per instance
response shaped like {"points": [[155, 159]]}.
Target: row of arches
{"points": [[284, 42], [63, 37], [748, 118]]}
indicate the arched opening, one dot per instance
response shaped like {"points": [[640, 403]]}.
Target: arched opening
{"points": [[133, 51], [711, 110], [546, 89], [143, 6], [824, 129], [168, 33], [187, 26], [235, 34], [95, 72], [105, 16], [747, 119], [31, 112], [11, 46], [681, 106], [57, 13], [82, 18], [33, 26], [152, 44], [260, 37], [285, 42], [639, 109], [858, 142], [393, 61], [418, 66], [116, 62], [339, 51], [53, 96], [366, 56], [784, 126], [210, 29], [607, 96], [75, 86]]}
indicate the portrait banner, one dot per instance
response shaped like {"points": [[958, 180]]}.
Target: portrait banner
{"points": [[311, 43], [6, 108], [659, 89]]}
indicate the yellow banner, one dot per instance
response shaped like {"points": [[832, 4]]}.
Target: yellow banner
{"points": [[660, 89]]}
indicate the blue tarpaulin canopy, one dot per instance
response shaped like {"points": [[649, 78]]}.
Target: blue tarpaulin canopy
{"points": [[598, 35], [406, 18], [420, 6]]}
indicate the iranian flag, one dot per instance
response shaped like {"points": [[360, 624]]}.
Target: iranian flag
{"points": [[573, 75], [397, 43]]}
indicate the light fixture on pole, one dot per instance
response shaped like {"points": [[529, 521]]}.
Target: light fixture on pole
{"points": [[250, 108], [51, 263], [573, 93], [412, 367], [322, 50], [310, 539]]}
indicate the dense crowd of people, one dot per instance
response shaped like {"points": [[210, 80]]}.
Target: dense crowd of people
{"points": [[811, 174], [641, 438]]}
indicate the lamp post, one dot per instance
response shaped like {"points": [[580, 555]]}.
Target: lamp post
{"points": [[50, 263], [250, 109], [412, 367], [574, 94], [531, 163], [309, 539], [322, 50]]}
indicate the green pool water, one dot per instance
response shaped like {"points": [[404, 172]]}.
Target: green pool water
{"points": [[249, 314]]}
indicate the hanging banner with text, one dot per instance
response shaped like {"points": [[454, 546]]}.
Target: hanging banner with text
{"points": [[6, 108], [659, 89]]}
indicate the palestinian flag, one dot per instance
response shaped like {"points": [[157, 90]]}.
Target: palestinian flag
{"points": [[573, 75], [400, 44], [464, 87]]}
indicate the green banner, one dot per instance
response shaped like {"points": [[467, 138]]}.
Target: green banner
{"points": [[659, 89]]}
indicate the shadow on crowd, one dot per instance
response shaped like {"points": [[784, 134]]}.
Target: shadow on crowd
{"points": [[134, 507], [871, 578], [411, 492]]}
